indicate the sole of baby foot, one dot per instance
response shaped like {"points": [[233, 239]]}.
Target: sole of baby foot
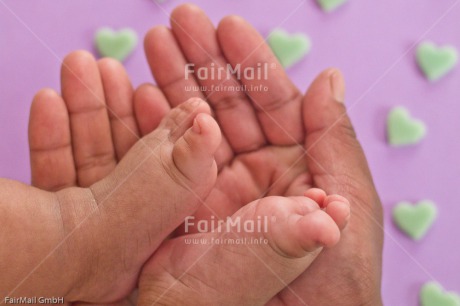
{"points": [[213, 269]]}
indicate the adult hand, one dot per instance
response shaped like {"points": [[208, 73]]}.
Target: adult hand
{"points": [[278, 142], [78, 138]]}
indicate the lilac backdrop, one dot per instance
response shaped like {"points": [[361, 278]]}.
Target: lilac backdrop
{"points": [[369, 40]]}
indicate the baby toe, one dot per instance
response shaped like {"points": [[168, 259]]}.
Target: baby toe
{"points": [[317, 195], [180, 119], [193, 153], [316, 230], [339, 212]]}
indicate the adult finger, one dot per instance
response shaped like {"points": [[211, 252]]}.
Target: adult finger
{"points": [[197, 38], [168, 66], [150, 106], [337, 164], [118, 93], [51, 157], [278, 107], [82, 91], [335, 158]]}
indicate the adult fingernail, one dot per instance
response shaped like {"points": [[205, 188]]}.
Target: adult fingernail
{"points": [[337, 86]]}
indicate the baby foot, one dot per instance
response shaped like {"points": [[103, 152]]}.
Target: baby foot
{"points": [[281, 239], [119, 222]]}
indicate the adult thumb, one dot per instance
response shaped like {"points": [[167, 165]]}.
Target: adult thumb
{"points": [[335, 158]]}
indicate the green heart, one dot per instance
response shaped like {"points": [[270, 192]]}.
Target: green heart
{"points": [[289, 49], [415, 220], [118, 45], [435, 61], [330, 5], [402, 129], [432, 294]]}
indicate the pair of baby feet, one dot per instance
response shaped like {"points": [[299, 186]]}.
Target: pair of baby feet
{"points": [[174, 169], [113, 228]]}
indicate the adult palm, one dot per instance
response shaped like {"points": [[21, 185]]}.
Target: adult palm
{"points": [[276, 142]]}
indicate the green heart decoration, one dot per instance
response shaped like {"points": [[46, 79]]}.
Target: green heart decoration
{"points": [[402, 129], [435, 62], [330, 5], [432, 294], [289, 49], [118, 45], [415, 220]]}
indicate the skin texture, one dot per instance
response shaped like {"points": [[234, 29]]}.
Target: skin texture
{"points": [[317, 224], [52, 137], [300, 227], [91, 243], [254, 154], [286, 118]]}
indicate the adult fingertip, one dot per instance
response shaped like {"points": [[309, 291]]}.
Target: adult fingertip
{"points": [[154, 35], [44, 95], [78, 58], [109, 64], [231, 21], [46, 104], [186, 8], [48, 117]]}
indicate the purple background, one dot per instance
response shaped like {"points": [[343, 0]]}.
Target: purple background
{"points": [[369, 40]]}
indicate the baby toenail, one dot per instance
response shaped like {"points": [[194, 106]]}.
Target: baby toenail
{"points": [[196, 126], [195, 102]]}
